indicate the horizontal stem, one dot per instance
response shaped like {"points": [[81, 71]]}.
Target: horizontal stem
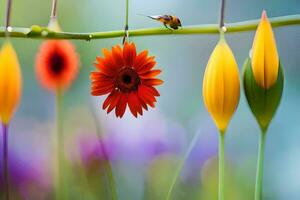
{"points": [[43, 33]]}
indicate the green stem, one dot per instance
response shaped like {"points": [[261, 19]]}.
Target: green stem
{"points": [[60, 195], [111, 179], [127, 13], [260, 166], [126, 33], [181, 164], [39, 32], [221, 165]]}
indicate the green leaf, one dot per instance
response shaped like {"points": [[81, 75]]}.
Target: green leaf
{"points": [[262, 102]]}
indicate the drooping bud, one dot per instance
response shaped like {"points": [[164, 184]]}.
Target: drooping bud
{"points": [[10, 82], [221, 85]]}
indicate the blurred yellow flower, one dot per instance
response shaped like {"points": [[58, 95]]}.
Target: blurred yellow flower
{"points": [[10, 82], [265, 61], [221, 85]]}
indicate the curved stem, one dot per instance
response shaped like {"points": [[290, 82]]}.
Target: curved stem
{"points": [[260, 166], [5, 160], [181, 164], [221, 164], [111, 178], [38, 32], [60, 148]]}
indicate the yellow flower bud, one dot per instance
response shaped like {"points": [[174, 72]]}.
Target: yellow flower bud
{"points": [[10, 82], [221, 85], [265, 61]]}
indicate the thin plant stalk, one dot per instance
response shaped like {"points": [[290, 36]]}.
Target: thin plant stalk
{"points": [[60, 190], [260, 166], [126, 33], [111, 178], [5, 161], [222, 13], [127, 13], [222, 133], [221, 165], [181, 165], [53, 10], [7, 18]]}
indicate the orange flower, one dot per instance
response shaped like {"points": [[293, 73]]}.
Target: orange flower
{"points": [[56, 64], [128, 78]]}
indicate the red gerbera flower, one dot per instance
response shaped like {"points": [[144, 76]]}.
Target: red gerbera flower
{"points": [[128, 78], [56, 64]]}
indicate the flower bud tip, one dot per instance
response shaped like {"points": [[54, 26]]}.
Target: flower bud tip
{"points": [[264, 15]]}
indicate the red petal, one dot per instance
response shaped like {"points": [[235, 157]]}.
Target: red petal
{"points": [[144, 105], [108, 99], [118, 55], [105, 67], [150, 74], [102, 83], [106, 53], [150, 89], [146, 67], [134, 104], [98, 91], [99, 76], [109, 61], [114, 101], [141, 59], [129, 53], [96, 86], [152, 82], [146, 96], [121, 106]]}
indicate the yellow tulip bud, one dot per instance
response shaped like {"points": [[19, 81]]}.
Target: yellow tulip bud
{"points": [[221, 85], [265, 61], [10, 82]]}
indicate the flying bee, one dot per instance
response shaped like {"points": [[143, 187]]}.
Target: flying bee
{"points": [[169, 21]]}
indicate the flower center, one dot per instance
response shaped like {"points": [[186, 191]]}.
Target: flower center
{"points": [[127, 80], [56, 63]]}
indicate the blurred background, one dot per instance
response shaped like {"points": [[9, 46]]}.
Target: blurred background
{"points": [[146, 151]]}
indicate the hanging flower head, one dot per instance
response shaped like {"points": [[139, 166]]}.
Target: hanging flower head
{"points": [[10, 82], [128, 78], [263, 75], [57, 64], [221, 85]]}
